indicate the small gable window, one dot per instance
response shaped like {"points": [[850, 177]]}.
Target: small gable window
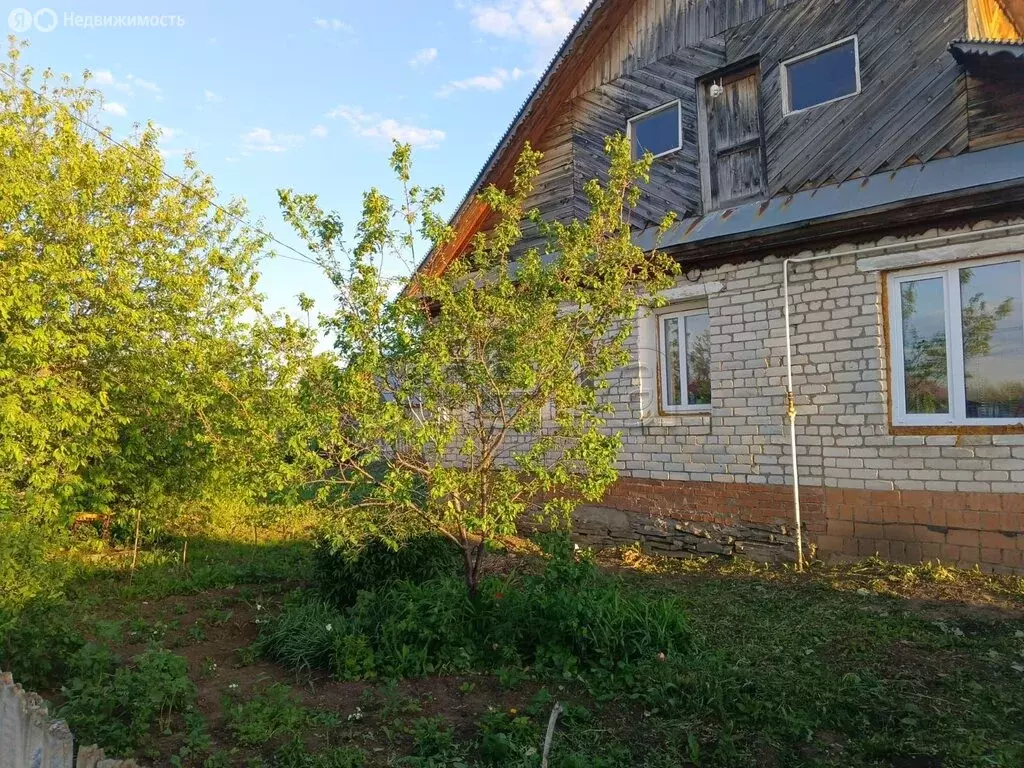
{"points": [[821, 76], [658, 131]]}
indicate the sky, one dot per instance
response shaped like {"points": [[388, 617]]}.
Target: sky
{"points": [[307, 94]]}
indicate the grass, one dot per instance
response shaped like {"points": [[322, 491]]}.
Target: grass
{"points": [[869, 664]]}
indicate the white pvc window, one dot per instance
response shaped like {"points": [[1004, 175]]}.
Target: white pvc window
{"points": [[821, 76], [685, 360], [957, 344], [658, 131]]}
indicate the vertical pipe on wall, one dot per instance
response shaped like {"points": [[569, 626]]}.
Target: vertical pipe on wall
{"points": [[791, 413]]}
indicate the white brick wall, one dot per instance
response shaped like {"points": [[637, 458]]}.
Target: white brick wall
{"points": [[840, 380]]}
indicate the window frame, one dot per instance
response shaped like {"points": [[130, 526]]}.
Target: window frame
{"points": [[677, 105], [660, 317], [787, 100], [956, 387]]}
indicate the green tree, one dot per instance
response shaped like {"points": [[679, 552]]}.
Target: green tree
{"points": [[137, 369], [465, 401]]}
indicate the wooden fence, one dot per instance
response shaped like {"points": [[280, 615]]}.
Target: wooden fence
{"points": [[29, 738]]}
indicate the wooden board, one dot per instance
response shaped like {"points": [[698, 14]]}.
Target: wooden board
{"points": [[995, 108], [653, 29]]}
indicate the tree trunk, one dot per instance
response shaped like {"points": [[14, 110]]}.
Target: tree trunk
{"points": [[469, 572], [135, 547]]}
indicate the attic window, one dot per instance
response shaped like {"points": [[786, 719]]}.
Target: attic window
{"points": [[658, 131], [821, 76]]}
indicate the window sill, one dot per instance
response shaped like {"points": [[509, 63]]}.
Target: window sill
{"points": [[700, 418], [956, 429]]}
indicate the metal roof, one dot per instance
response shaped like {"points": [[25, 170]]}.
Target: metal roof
{"points": [[965, 51], [856, 197]]}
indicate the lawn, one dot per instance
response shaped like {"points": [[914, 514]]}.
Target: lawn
{"points": [[865, 664]]}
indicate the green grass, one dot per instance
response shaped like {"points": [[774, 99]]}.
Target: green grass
{"points": [[870, 664]]}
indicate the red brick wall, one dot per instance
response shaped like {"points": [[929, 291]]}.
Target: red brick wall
{"points": [[908, 526]]}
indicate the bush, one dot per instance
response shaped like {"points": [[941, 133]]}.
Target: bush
{"points": [[39, 642], [568, 618], [570, 615], [341, 572], [118, 706]]}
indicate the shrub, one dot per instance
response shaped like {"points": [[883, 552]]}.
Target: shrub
{"points": [[343, 571], [568, 618], [570, 615], [118, 706], [38, 644]]}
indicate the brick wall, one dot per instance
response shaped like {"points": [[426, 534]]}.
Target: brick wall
{"points": [[732, 463]]}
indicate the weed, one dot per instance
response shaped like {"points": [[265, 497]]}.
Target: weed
{"points": [[507, 737], [119, 706], [294, 754], [271, 714]]}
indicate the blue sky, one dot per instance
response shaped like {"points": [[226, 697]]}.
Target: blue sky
{"points": [[308, 94]]}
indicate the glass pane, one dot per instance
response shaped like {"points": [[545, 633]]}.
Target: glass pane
{"points": [[822, 77], [923, 305], [698, 360], [670, 361], [657, 132], [993, 330]]}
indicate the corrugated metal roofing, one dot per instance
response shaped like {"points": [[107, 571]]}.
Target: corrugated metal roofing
{"points": [[965, 50], [856, 197]]}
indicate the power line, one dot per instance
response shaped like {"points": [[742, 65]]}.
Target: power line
{"points": [[131, 150]]}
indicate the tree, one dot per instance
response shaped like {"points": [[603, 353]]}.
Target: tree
{"points": [[465, 401], [137, 369]]}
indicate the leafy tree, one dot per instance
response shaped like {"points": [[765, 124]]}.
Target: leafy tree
{"points": [[137, 369], [465, 401]]}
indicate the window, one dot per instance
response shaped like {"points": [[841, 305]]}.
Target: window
{"points": [[957, 344], [822, 76], [658, 131], [685, 360]]}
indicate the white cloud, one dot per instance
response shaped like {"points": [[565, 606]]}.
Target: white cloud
{"points": [[103, 77], [265, 140], [146, 85], [423, 58], [334, 25], [211, 98], [107, 79], [541, 22], [495, 81], [319, 131], [117, 110], [375, 126]]}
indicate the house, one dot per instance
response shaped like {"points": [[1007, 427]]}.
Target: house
{"points": [[853, 167]]}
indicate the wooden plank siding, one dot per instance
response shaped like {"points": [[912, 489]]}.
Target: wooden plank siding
{"points": [[675, 183], [653, 29], [996, 109], [554, 192], [915, 104], [912, 105]]}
